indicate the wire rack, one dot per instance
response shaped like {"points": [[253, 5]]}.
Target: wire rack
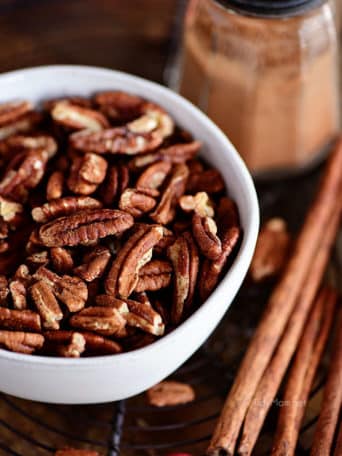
{"points": [[132, 427]]}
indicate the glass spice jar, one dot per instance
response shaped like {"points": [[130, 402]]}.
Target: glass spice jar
{"points": [[267, 73]]}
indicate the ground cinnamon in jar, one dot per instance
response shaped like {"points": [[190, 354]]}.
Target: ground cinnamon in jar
{"points": [[268, 78]]}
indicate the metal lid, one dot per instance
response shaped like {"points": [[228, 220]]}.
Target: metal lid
{"points": [[272, 7]]}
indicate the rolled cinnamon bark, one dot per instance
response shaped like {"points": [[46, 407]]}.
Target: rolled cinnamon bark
{"points": [[302, 374], [274, 374], [332, 401], [278, 310]]}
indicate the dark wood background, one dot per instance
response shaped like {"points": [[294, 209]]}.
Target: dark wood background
{"points": [[129, 35]]}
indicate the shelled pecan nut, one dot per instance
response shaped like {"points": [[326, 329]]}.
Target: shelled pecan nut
{"points": [[72, 291], [204, 230], [84, 102], [9, 210], [137, 251], [24, 172], [78, 117], [38, 259], [4, 290], [12, 111], [84, 227], [141, 315], [230, 233], [21, 342], [115, 183], [138, 201], [69, 344], [55, 186], [19, 320], [99, 345], [175, 154], [209, 181], [47, 305], [63, 206], [185, 260], [165, 211], [94, 264], [61, 259], [119, 140], [22, 124], [119, 106], [18, 293], [271, 250], [43, 143], [154, 275], [199, 203], [87, 172], [154, 175], [170, 393], [105, 321]]}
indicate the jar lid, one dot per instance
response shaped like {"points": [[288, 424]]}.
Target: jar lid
{"points": [[272, 7]]}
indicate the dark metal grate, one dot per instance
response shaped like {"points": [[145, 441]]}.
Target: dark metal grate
{"points": [[131, 428]]}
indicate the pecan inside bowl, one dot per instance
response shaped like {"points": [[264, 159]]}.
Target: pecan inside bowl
{"points": [[114, 230]]}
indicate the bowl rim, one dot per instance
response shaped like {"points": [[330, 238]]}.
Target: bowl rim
{"points": [[246, 248]]}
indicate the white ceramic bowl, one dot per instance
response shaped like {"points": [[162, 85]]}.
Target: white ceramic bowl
{"points": [[108, 378]]}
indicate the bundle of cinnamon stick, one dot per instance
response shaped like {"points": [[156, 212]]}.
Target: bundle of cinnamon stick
{"points": [[297, 321]]}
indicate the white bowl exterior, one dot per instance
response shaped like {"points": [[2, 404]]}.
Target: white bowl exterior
{"points": [[103, 379]]}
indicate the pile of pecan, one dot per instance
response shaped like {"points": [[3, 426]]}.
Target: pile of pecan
{"points": [[112, 232]]}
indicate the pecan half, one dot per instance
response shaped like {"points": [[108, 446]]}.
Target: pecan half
{"points": [[271, 250], [48, 105], [167, 240], [153, 276], [78, 117], [119, 106], [204, 230], [199, 203], [154, 175], [84, 227], [43, 143], [19, 320], [12, 111], [72, 291], [141, 315], [138, 201], [94, 264], [61, 259], [184, 257], [98, 345], [38, 259], [69, 344], [165, 211], [209, 181], [116, 182], [18, 293], [55, 186], [63, 206], [87, 172], [229, 233], [23, 124], [105, 321], [9, 210], [21, 342], [4, 290], [176, 154], [137, 251], [24, 172], [47, 305], [119, 140], [170, 393]]}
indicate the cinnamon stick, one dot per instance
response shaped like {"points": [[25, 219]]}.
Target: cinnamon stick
{"points": [[278, 310], [332, 401], [274, 374], [338, 449], [302, 374]]}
